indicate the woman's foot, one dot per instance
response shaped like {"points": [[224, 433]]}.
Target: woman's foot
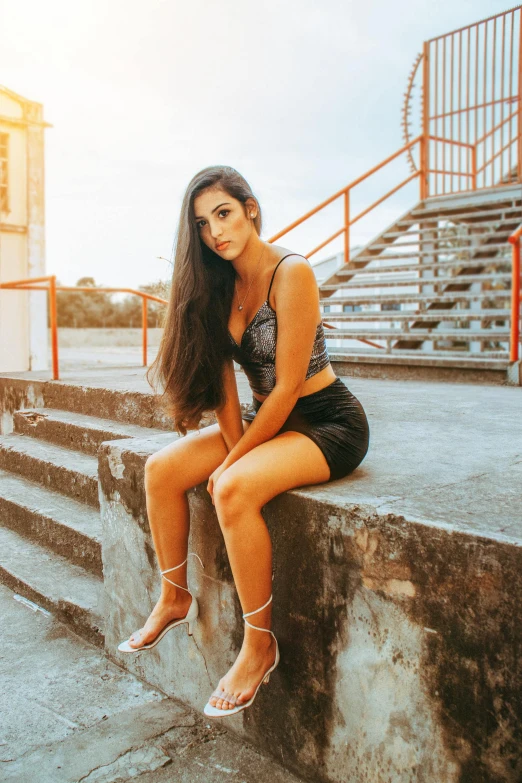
{"points": [[241, 681], [166, 610]]}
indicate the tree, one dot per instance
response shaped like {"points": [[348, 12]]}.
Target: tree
{"points": [[83, 309]]}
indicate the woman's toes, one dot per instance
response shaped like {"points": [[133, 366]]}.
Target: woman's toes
{"points": [[227, 703]]}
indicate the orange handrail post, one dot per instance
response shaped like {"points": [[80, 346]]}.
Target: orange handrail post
{"points": [[347, 226], [144, 303], [515, 295], [53, 314], [423, 180], [29, 284], [474, 167]]}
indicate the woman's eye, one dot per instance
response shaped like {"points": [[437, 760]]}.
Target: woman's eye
{"points": [[226, 211]]}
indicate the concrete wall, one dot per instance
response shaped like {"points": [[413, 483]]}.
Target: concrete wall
{"points": [[399, 640], [23, 315]]}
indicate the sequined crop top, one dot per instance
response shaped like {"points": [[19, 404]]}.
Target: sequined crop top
{"points": [[256, 353]]}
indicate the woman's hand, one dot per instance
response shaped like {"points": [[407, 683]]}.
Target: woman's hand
{"points": [[213, 480]]}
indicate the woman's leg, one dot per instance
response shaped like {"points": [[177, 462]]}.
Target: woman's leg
{"points": [[288, 460], [168, 474]]}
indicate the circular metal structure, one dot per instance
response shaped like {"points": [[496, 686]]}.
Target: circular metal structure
{"points": [[408, 106]]}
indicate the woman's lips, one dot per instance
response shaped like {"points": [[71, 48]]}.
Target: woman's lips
{"points": [[222, 246]]}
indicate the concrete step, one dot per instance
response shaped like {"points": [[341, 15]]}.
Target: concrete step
{"points": [[420, 366], [440, 240], [429, 316], [421, 334], [68, 591], [91, 394], [74, 430], [438, 358], [442, 266], [60, 469], [448, 296], [68, 528], [494, 228], [389, 280], [438, 213], [494, 219], [469, 251], [455, 245]]}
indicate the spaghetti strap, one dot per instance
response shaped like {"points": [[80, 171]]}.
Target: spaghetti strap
{"points": [[275, 270]]}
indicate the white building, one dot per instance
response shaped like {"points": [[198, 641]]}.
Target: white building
{"points": [[23, 314]]}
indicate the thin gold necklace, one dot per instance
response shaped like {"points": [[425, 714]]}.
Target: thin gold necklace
{"points": [[240, 306]]}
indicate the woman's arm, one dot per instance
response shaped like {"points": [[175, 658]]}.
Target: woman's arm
{"points": [[229, 415], [297, 313]]}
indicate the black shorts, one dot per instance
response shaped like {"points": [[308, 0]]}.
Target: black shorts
{"points": [[335, 420]]}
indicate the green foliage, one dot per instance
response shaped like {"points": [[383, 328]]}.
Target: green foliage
{"points": [[83, 309]]}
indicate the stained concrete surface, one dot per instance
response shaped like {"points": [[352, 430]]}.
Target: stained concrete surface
{"points": [[442, 453], [69, 714]]}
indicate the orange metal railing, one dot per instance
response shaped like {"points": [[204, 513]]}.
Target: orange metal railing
{"points": [[35, 284], [472, 92], [515, 240], [346, 192], [423, 174]]}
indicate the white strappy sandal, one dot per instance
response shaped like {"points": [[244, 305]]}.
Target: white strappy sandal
{"points": [[190, 617], [214, 712]]}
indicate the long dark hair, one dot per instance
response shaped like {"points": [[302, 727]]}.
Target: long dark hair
{"points": [[195, 345]]}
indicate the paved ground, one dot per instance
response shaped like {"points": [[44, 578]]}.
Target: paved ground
{"points": [[69, 714]]}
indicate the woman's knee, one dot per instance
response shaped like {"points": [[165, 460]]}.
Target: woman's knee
{"points": [[159, 469], [231, 497]]}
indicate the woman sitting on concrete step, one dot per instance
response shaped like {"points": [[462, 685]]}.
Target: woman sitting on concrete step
{"points": [[304, 427]]}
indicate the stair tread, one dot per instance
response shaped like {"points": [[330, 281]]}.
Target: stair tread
{"points": [[50, 574], [441, 266], [93, 422], [419, 358], [422, 333], [445, 251], [388, 280], [412, 315], [448, 296], [416, 231], [447, 213], [62, 509], [43, 451]]}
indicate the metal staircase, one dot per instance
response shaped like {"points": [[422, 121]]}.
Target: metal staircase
{"points": [[436, 287], [437, 282]]}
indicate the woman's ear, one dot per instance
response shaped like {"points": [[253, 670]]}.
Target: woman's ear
{"points": [[251, 208]]}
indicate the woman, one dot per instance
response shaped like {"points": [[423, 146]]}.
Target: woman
{"points": [[305, 426]]}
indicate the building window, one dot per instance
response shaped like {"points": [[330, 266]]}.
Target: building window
{"points": [[387, 306], [351, 308], [3, 172], [326, 308]]}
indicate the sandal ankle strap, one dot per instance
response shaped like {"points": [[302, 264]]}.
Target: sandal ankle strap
{"points": [[166, 571], [256, 627]]}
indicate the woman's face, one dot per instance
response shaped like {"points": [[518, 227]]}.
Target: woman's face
{"points": [[221, 219]]}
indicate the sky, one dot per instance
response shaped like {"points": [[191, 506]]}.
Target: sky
{"points": [[300, 96]]}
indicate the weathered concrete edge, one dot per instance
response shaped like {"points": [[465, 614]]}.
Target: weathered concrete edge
{"points": [[364, 367], [127, 406], [457, 593]]}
